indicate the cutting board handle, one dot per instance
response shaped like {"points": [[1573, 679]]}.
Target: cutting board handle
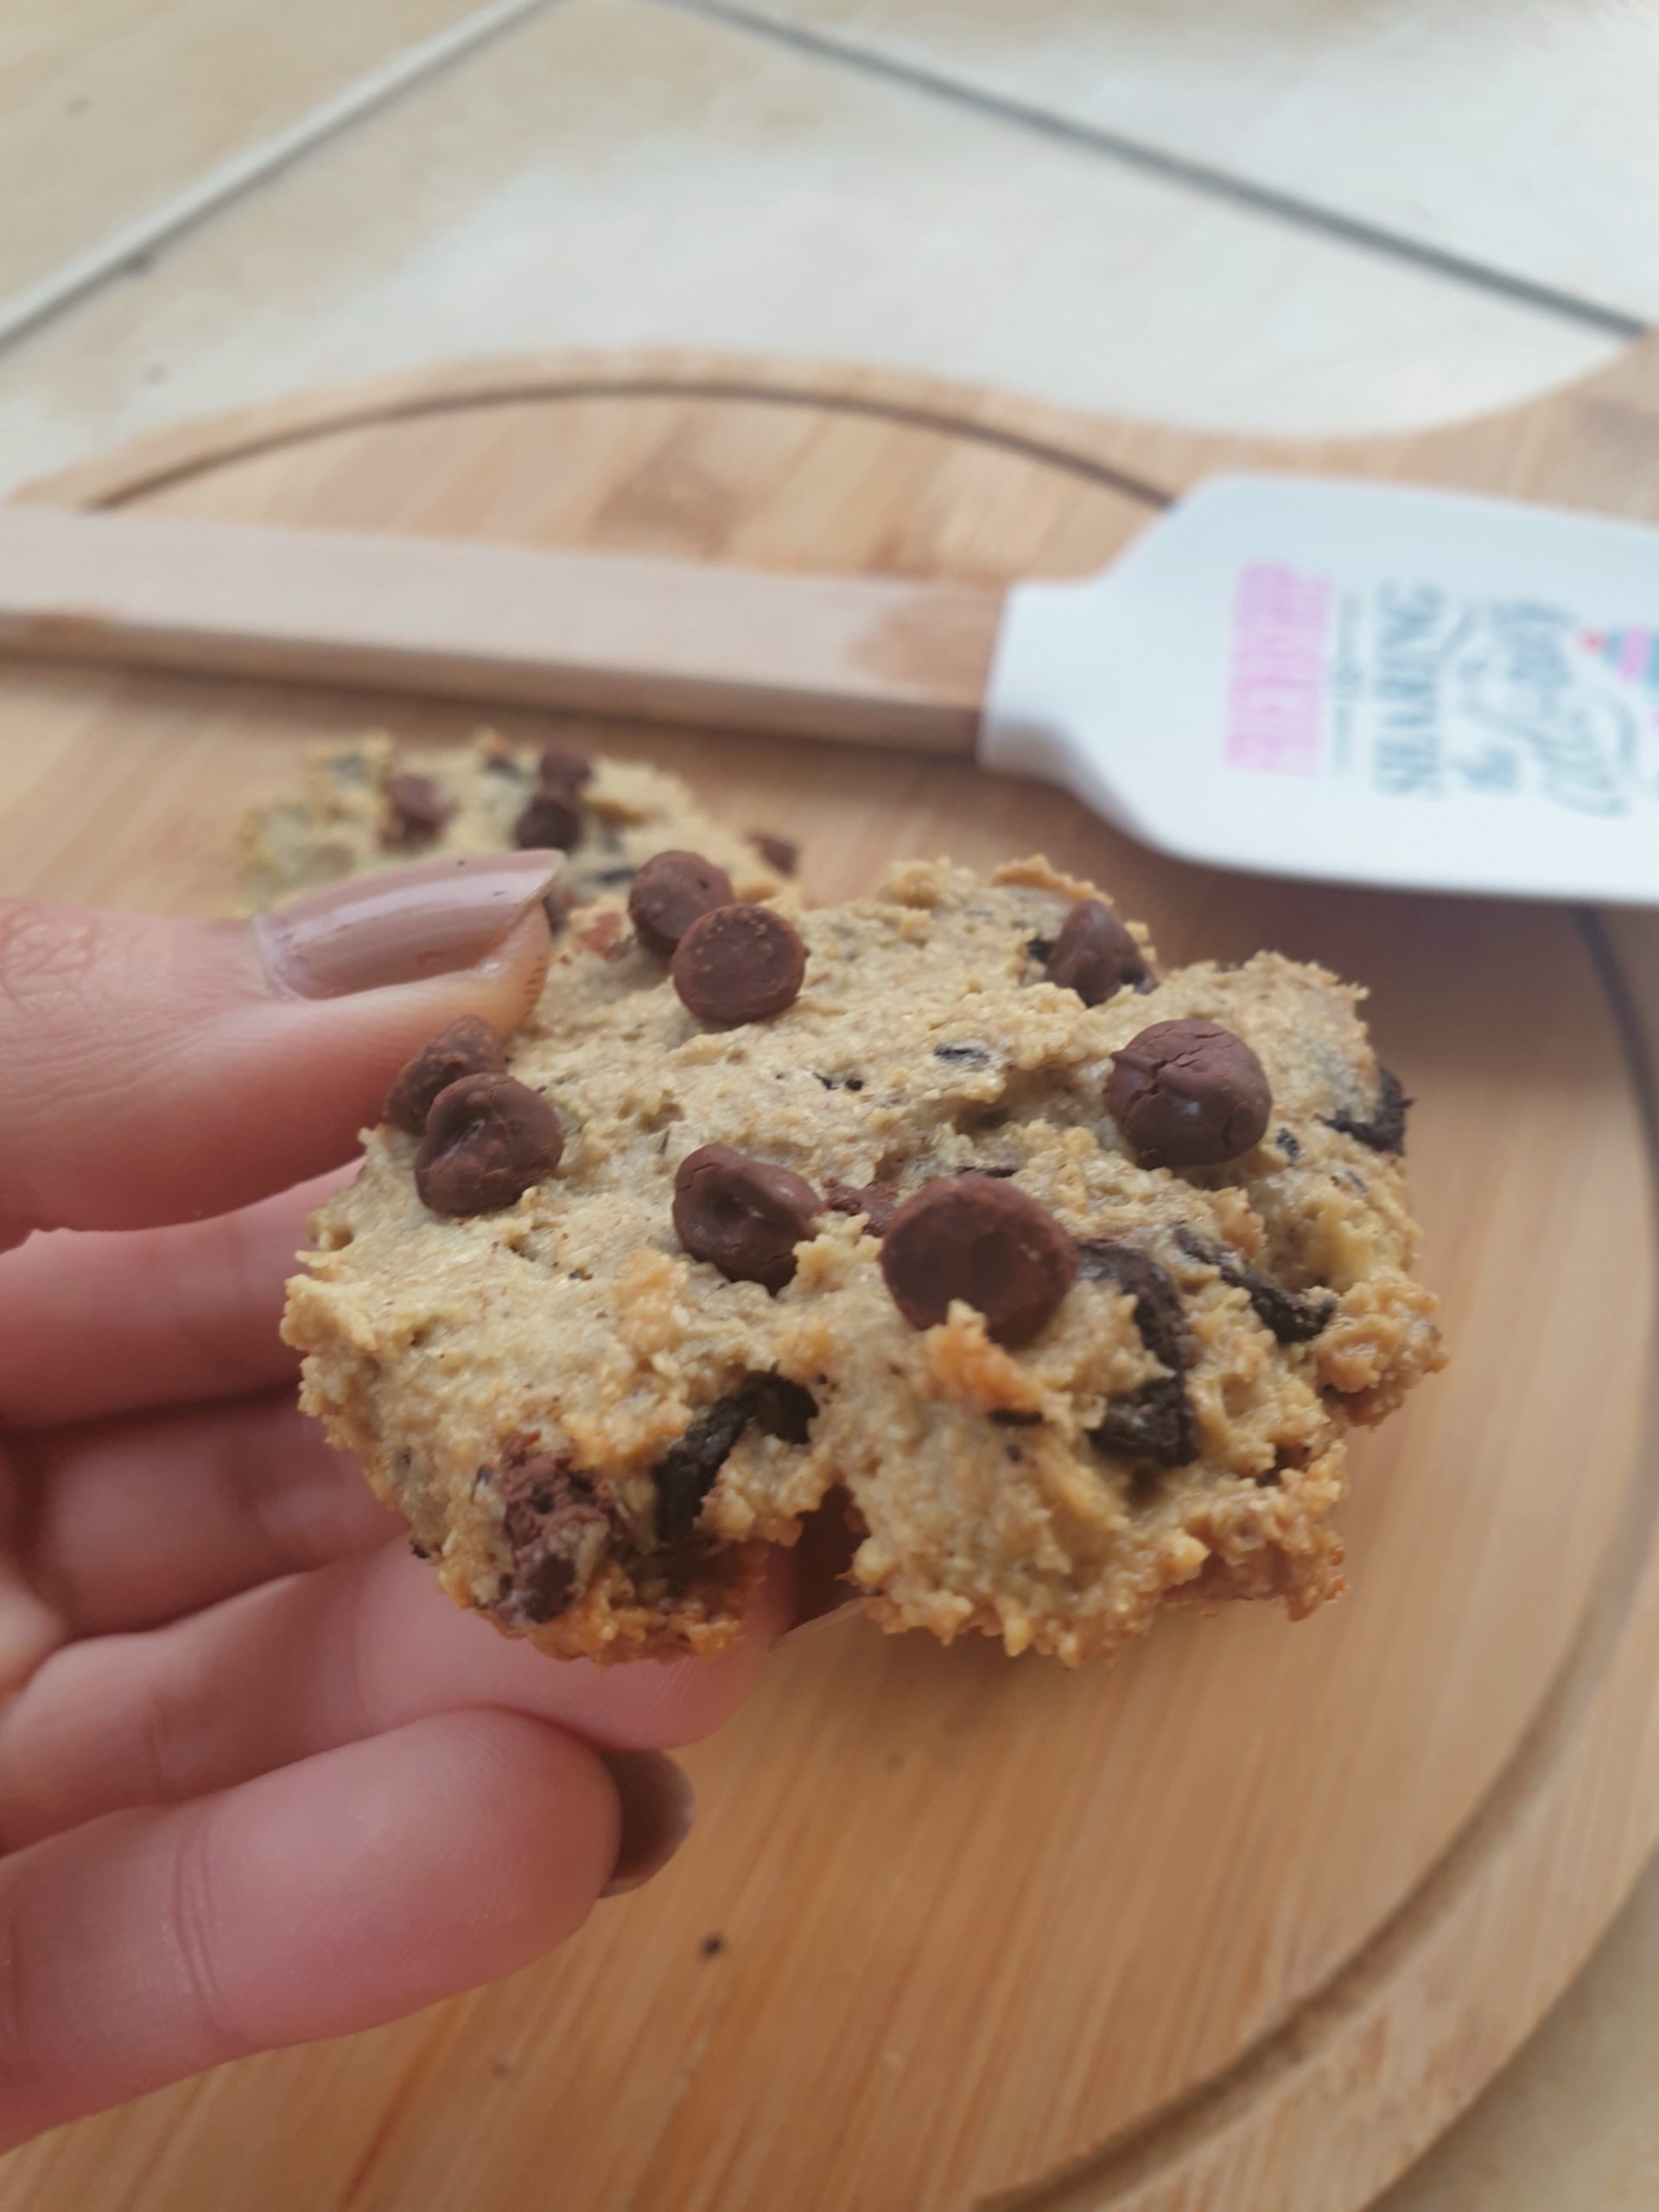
{"points": [[865, 659]]}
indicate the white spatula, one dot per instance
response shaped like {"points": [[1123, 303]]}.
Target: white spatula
{"points": [[1296, 677]]}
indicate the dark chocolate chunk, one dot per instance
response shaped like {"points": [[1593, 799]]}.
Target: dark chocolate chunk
{"points": [[1293, 1316], [1096, 956], [1014, 1417], [418, 810], [686, 1473], [562, 772], [967, 1236], [743, 1215], [466, 1047], [1288, 1144], [487, 1140], [878, 1201], [782, 1409], [973, 1056], [737, 964], [668, 894], [555, 1523], [1188, 1094], [781, 852], [1385, 1127], [1158, 1315], [552, 821], [1154, 1423]]}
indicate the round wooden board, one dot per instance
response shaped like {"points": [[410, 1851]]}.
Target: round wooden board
{"points": [[1244, 1921]]}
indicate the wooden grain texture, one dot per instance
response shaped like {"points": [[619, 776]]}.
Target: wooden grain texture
{"points": [[875, 660], [109, 107], [1243, 1921]]}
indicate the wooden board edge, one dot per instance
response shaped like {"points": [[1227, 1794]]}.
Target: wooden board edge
{"points": [[1412, 2027], [1263, 2132], [1146, 460]]}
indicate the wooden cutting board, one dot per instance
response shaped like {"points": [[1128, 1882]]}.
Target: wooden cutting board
{"points": [[1240, 1924]]}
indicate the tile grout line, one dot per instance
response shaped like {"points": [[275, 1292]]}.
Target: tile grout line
{"points": [[126, 248], [1176, 168]]}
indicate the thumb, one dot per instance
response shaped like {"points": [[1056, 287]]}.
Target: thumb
{"points": [[158, 1069]]}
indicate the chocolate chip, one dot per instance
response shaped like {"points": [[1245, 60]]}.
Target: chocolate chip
{"points": [[738, 963], [466, 1047], [556, 1523], [782, 1409], [781, 852], [966, 1237], [686, 1473], [743, 1215], [878, 1201], [419, 809], [562, 772], [1188, 1094], [1096, 956], [1294, 1317], [973, 1056], [668, 894], [551, 822], [487, 1140], [1158, 1315], [1385, 1127]]}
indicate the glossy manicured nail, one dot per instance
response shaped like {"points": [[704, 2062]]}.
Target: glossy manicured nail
{"points": [[403, 926], [659, 1806], [815, 1622]]}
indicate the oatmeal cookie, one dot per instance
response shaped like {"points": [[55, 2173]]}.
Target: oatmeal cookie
{"points": [[1062, 1275], [365, 805]]}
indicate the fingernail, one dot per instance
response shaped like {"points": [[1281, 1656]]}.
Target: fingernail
{"points": [[402, 926], [815, 1622], [659, 1806]]}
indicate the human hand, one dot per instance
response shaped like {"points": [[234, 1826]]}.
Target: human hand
{"points": [[259, 1781]]}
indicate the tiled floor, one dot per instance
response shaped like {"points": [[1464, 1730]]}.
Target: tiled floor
{"points": [[1292, 215], [612, 171]]}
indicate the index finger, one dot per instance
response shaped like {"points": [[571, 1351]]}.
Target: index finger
{"points": [[155, 1070], [175, 1314]]}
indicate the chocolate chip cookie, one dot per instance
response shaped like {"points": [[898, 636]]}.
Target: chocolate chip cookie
{"points": [[1061, 1274], [364, 805]]}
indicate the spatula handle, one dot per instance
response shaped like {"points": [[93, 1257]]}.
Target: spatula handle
{"points": [[870, 660]]}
